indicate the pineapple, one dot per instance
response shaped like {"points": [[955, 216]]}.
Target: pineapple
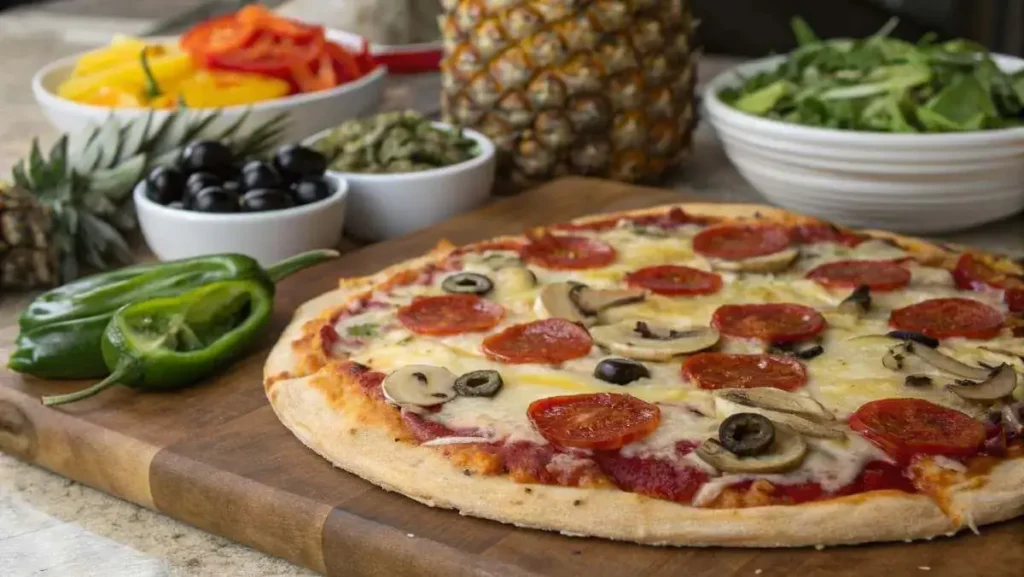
{"points": [[27, 257], [73, 206], [592, 87]]}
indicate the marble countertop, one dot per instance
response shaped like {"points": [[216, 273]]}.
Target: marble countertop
{"points": [[58, 528]]}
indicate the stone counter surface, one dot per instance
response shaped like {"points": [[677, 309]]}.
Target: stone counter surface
{"points": [[53, 527]]}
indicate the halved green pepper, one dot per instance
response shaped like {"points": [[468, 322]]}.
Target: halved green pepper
{"points": [[61, 330], [172, 342]]}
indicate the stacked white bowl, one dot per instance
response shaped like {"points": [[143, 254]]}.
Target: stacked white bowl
{"points": [[915, 183]]}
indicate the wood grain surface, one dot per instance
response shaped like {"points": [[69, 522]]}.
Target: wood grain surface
{"points": [[215, 456]]}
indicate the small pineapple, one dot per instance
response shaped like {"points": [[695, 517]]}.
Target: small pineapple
{"points": [[80, 193], [28, 257], [593, 87]]}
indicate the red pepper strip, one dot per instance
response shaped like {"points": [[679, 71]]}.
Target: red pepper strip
{"points": [[270, 56], [346, 62], [263, 20], [322, 78], [217, 36]]}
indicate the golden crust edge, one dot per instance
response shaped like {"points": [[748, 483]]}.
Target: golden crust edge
{"points": [[426, 476]]}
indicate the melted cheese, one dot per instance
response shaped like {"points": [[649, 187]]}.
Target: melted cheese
{"points": [[846, 376]]}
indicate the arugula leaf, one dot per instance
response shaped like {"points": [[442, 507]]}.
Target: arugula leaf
{"points": [[363, 330], [883, 84]]}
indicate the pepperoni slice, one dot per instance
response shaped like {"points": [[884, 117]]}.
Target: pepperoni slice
{"points": [[876, 275], [740, 241], [602, 421], [824, 232], [948, 317], [722, 371], [450, 315], [907, 427], [548, 341], [675, 280], [567, 252], [973, 273], [775, 323]]}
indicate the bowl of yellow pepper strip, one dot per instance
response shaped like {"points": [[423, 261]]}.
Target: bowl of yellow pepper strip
{"points": [[251, 63]]}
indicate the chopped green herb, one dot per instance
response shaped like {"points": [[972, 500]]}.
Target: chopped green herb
{"points": [[363, 330], [884, 84]]}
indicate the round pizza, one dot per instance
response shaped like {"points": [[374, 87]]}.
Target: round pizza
{"points": [[697, 374]]}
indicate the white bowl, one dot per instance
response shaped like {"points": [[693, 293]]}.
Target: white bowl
{"points": [[307, 113], [915, 183], [268, 237], [384, 206]]}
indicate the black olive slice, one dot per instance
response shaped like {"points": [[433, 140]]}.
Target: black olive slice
{"points": [[925, 340], [917, 381], [479, 384], [467, 283], [805, 351], [746, 434], [620, 371]]}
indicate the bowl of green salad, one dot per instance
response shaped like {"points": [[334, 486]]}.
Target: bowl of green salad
{"points": [[923, 137]]}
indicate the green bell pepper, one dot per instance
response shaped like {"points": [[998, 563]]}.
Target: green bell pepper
{"points": [[172, 342], [61, 330]]}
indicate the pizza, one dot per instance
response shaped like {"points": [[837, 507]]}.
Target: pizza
{"points": [[696, 374]]}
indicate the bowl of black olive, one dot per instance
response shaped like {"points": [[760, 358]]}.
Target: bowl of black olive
{"points": [[210, 202]]}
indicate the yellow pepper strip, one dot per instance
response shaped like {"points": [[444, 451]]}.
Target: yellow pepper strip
{"points": [[121, 50], [167, 69], [109, 97], [213, 89]]}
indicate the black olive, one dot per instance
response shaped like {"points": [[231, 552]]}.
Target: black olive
{"points": [[805, 351], [207, 156], [479, 384], [295, 162], [620, 371], [746, 434], [165, 184], [215, 199], [916, 381], [467, 283], [200, 180], [310, 190], [925, 340], [259, 174], [263, 199], [232, 186]]}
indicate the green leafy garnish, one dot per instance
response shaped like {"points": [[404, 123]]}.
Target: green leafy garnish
{"points": [[363, 330], [884, 84]]}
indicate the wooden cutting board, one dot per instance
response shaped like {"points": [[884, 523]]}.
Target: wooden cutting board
{"points": [[216, 457]]}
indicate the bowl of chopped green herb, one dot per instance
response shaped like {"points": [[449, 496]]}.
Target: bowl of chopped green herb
{"points": [[406, 172], [878, 132]]}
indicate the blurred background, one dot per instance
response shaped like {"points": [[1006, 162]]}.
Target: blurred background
{"points": [[733, 27]]}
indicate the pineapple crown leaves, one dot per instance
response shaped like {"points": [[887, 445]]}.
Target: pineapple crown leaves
{"points": [[88, 176]]}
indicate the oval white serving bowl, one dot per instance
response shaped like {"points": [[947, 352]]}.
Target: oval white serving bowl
{"points": [[915, 183], [268, 237], [383, 206], [307, 113]]}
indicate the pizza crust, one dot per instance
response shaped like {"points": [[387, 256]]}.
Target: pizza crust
{"points": [[426, 475]]}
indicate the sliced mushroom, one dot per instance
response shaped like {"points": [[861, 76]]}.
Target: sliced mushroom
{"points": [[946, 363], [500, 260], [803, 414], [648, 341], [786, 453], [858, 303], [580, 303], [419, 386], [999, 385], [893, 358], [775, 262], [593, 301], [1012, 419], [777, 400]]}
